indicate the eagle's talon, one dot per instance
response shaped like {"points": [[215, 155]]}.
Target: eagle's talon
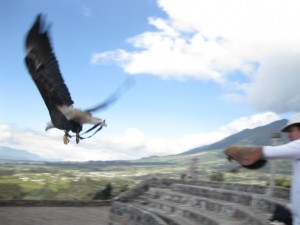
{"points": [[77, 138], [66, 139]]}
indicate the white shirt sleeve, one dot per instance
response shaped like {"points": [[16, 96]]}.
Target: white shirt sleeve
{"points": [[290, 150]]}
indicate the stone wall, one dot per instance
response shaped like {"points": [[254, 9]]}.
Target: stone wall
{"points": [[132, 193], [62, 203]]}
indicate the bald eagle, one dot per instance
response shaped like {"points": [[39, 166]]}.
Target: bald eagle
{"points": [[44, 70]]}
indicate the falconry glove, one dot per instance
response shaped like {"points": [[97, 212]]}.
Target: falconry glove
{"points": [[248, 157]]}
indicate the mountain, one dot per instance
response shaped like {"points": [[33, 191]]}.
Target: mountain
{"points": [[14, 154], [256, 136]]}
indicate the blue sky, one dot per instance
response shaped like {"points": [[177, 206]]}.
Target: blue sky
{"points": [[203, 70]]}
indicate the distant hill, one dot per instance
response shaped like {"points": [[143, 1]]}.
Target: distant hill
{"points": [[14, 154], [256, 136]]}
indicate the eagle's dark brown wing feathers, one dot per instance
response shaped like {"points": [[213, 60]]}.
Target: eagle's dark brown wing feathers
{"points": [[44, 69]]}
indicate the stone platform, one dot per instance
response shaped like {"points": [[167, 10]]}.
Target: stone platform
{"points": [[54, 215]]}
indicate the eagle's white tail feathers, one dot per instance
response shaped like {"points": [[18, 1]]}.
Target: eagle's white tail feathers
{"points": [[78, 115], [49, 126]]}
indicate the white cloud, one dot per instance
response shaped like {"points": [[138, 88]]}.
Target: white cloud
{"points": [[233, 97], [85, 11], [249, 122], [210, 40], [133, 144], [179, 57], [277, 83]]}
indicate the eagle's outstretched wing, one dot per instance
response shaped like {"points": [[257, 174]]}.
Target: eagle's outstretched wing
{"points": [[114, 97], [43, 67]]}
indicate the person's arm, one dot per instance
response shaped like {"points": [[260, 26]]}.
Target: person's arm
{"points": [[290, 150]]}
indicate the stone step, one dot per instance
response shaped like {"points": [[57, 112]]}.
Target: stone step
{"points": [[259, 201], [219, 207], [129, 214], [171, 217], [277, 192], [197, 203], [190, 214]]}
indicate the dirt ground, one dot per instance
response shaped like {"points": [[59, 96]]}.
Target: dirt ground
{"points": [[54, 215]]}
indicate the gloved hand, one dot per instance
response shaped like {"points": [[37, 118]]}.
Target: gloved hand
{"points": [[248, 157]]}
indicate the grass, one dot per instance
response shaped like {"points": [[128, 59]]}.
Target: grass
{"points": [[47, 182]]}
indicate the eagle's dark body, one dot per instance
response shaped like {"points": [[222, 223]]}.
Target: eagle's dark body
{"points": [[44, 70]]}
